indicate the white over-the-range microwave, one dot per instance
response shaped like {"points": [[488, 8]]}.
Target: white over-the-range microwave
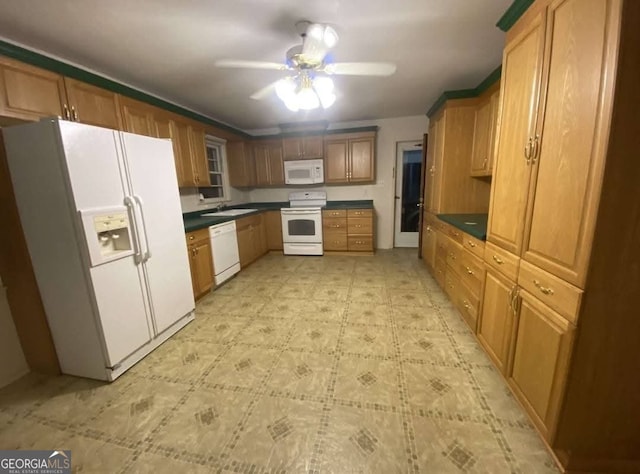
{"points": [[303, 172]]}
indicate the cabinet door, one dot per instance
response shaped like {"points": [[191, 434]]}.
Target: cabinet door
{"points": [[542, 349], [362, 158], [245, 245], [292, 148], [562, 208], [429, 245], [93, 105], [242, 171], [435, 171], [199, 155], [136, 117], [30, 93], [521, 74], [481, 139], [336, 161], [273, 226], [312, 147], [261, 159], [495, 109], [259, 236], [186, 160], [495, 325], [428, 177], [203, 263], [165, 127], [276, 165]]}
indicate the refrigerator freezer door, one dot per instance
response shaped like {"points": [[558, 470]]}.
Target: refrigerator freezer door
{"points": [[154, 184]]}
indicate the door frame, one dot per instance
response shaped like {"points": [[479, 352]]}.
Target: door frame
{"points": [[401, 147], [423, 175]]}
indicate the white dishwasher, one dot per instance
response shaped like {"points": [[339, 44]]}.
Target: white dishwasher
{"points": [[224, 251]]}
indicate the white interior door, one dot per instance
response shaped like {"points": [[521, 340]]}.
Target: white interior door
{"points": [[407, 195], [154, 186]]}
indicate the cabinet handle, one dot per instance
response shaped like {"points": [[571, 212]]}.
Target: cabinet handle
{"points": [[191, 237], [534, 153], [527, 150], [432, 170], [471, 244], [453, 256], [513, 297], [498, 260], [428, 229], [358, 225], [335, 226], [544, 290], [466, 304], [74, 112], [65, 111], [469, 271], [484, 164]]}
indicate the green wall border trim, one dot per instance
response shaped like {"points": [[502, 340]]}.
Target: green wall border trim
{"points": [[513, 13], [466, 93], [50, 64]]}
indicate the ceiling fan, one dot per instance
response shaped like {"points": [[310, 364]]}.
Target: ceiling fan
{"points": [[308, 66]]}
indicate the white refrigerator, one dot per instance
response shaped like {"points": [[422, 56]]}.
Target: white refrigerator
{"points": [[101, 215]]}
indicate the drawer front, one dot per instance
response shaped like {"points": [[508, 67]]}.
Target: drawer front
{"points": [[503, 261], [468, 306], [551, 290], [452, 286], [473, 245], [334, 224], [441, 225], [359, 225], [471, 271], [360, 244], [360, 213], [442, 242], [454, 254], [336, 241], [334, 213], [455, 233], [197, 235], [439, 271]]}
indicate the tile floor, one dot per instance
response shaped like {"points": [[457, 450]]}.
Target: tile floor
{"points": [[300, 364]]}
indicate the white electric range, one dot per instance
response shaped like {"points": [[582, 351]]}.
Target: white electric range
{"points": [[302, 223]]}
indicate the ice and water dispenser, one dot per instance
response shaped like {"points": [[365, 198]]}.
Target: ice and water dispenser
{"points": [[108, 234]]}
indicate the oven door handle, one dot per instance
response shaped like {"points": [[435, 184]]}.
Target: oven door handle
{"points": [[299, 213]]}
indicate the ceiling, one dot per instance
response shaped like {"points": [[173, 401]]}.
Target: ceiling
{"points": [[168, 48]]}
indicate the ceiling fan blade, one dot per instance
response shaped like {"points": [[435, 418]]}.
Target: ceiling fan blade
{"points": [[318, 40], [361, 69], [239, 63], [264, 92]]}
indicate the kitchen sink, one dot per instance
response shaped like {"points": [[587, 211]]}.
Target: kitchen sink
{"points": [[228, 213]]}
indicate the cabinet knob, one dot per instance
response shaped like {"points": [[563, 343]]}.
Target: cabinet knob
{"points": [[466, 305], [471, 244], [191, 237], [497, 259], [469, 271], [544, 290]]}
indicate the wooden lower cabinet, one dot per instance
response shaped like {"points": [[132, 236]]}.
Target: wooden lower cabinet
{"points": [[541, 353], [252, 238], [200, 262], [334, 230], [428, 244], [273, 228], [497, 315], [360, 230]]}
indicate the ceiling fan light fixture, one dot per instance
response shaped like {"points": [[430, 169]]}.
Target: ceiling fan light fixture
{"points": [[308, 99], [330, 37], [286, 89]]}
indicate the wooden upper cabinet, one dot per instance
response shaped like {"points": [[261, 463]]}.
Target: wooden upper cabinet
{"points": [[242, 172], [261, 157], [484, 135], [300, 148], [186, 160], [521, 75], [93, 105], [165, 127], [349, 158], [30, 93], [199, 155], [276, 164], [268, 164], [137, 117], [541, 353], [568, 159]]}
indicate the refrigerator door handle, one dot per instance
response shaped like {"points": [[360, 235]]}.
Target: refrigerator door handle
{"points": [[147, 253], [137, 256]]}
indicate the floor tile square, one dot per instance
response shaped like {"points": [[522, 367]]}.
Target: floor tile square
{"points": [[314, 336], [369, 314], [243, 366], [368, 340], [302, 373], [367, 381]]}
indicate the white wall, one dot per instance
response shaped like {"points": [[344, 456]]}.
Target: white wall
{"points": [[390, 131], [190, 202], [12, 362]]}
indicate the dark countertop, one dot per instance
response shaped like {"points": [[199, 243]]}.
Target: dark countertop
{"points": [[473, 224], [194, 221]]}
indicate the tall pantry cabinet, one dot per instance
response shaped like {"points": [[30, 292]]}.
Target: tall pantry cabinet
{"points": [[561, 320]]}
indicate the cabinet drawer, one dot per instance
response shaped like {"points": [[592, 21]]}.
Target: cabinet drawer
{"points": [[551, 290], [441, 225], [360, 213], [468, 306], [439, 271], [197, 235], [473, 245], [471, 271], [360, 225], [503, 261], [360, 243], [334, 224], [452, 286], [442, 242], [454, 254], [335, 241], [334, 213], [455, 233]]}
